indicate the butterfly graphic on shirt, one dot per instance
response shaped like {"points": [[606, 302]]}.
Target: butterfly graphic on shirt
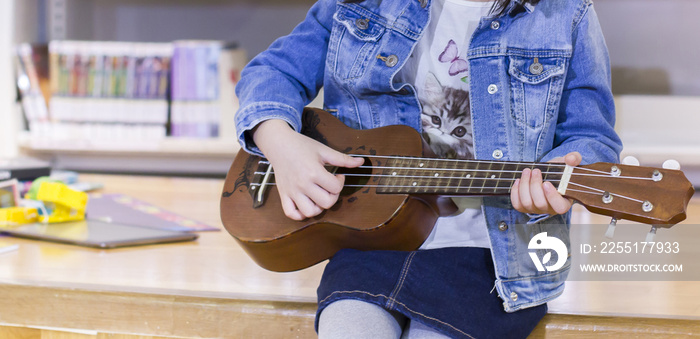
{"points": [[451, 55]]}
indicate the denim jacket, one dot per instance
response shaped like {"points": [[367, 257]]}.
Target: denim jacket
{"points": [[540, 88]]}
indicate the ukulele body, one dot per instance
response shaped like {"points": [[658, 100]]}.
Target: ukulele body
{"points": [[361, 219]]}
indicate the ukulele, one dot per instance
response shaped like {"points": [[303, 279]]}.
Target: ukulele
{"points": [[393, 200]]}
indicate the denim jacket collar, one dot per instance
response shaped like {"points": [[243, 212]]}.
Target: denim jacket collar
{"points": [[528, 6]]}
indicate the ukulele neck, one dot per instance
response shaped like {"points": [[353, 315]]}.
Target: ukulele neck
{"points": [[458, 177]]}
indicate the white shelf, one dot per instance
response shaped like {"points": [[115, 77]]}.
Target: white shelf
{"points": [[174, 156], [166, 146]]}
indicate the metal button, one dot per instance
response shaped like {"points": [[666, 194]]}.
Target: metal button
{"points": [[502, 226], [495, 25], [492, 89], [497, 154], [423, 3], [362, 23], [536, 67], [513, 296], [390, 61]]}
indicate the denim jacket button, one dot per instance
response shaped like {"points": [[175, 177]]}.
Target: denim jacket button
{"points": [[497, 154], [423, 3], [502, 226], [495, 25], [391, 60], [513, 296], [536, 67], [492, 89], [362, 23]]}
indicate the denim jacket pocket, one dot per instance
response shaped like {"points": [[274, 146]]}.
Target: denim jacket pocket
{"points": [[355, 32], [536, 85]]}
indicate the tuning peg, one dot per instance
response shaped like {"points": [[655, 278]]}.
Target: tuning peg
{"points": [[651, 234], [671, 164], [610, 233], [630, 160]]}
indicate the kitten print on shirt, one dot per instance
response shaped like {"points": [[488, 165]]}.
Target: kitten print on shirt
{"points": [[446, 120]]}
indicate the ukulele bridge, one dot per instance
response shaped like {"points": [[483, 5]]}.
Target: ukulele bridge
{"points": [[261, 183]]}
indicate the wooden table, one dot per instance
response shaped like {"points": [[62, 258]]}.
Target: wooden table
{"points": [[210, 288]]}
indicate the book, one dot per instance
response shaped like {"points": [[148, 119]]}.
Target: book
{"points": [[124, 209], [31, 66], [203, 99]]}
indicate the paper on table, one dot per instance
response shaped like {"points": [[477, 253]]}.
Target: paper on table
{"points": [[6, 247]]}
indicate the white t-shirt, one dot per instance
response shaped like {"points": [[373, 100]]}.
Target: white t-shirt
{"points": [[438, 70]]}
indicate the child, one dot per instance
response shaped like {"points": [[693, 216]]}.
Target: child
{"points": [[518, 80]]}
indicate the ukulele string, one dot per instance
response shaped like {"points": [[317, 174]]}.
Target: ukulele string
{"points": [[606, 175], [602, 192], [469, 176], [435, 176], [495, 189], [474, 161], [533, 164]]}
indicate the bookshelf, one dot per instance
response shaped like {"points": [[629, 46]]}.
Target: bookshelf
{"points": [[245, 22], [656, 59]]}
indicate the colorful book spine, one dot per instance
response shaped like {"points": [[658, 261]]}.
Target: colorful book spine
{"points": [[105, 88], [136, 91]]}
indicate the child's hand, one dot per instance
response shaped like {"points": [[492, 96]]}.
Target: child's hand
{"points": [[530, 195], [305, 187]]}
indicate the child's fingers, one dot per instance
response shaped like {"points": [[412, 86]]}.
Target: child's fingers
{"points": [[515, 196], [539, 201], [573, 159], [335, 158], [306, 206], [327, 181], [321, 197], [290, 209], [524, 191], [559, 204]]}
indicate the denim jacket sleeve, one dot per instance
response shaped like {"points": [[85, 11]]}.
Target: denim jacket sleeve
{"points": [[587, 111], [280, 81]]}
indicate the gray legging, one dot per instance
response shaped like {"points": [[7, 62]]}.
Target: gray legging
{"points": [[350, 318]]}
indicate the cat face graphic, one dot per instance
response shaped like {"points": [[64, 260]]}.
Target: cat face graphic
{"points": [[446, 120]]}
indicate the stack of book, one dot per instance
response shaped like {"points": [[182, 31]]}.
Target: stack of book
{"points": [[195, 91], [110, 90], [126, 91]]}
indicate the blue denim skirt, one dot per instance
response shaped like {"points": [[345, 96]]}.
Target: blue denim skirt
{"points": [[448, 289]]}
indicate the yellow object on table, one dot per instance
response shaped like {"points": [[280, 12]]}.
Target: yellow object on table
{"points": [[13, 216], [65, 203]]}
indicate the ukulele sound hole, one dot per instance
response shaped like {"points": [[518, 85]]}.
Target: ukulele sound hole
{"points": [[356, 178]]}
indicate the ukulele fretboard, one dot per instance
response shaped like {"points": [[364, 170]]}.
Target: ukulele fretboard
{"points": [[456, 177]]}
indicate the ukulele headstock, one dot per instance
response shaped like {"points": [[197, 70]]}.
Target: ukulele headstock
{"points": [[648, 195]]}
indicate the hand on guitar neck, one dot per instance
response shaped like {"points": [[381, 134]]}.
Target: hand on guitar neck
{"points": [[530, 195], [305, 187]]}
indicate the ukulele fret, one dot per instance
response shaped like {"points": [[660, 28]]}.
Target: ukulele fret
{"points": [[486, 179]]}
